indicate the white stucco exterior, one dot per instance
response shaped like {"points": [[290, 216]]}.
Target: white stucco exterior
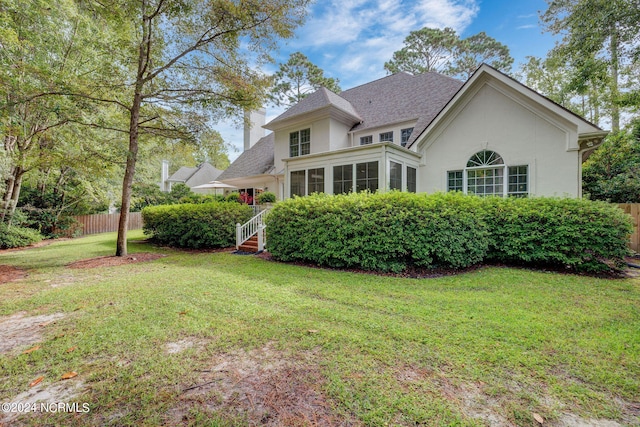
{"points": [[493, 118], [489, 112]]}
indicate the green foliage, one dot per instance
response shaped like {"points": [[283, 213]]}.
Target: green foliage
{"points": [[442, 50], [393, 231], [599, 42], [266, 197], [298, 77], [612, 172], [233, 197], [206, 225], [385, 232], [16, 237], [580, 234]]}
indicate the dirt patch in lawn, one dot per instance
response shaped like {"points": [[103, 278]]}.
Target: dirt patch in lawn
{"points": [[20, 330], [184, 344], [261, 387], [50, 395], [114, 261], [10, 273]]}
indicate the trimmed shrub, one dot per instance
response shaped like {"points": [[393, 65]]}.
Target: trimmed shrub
{"points": [[577, 233], [17, 237], [206, 225], [384, 232], [392, 231]]}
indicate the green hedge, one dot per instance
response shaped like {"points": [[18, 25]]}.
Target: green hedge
{"points": [[385, 232], [17, 237], [393, 231], [207, 225], [577, 233]]}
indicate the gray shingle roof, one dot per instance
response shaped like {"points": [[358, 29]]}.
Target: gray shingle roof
{"points": [[321, 98], [402, 97], [257, 160], [182, 174], [200, 174]]}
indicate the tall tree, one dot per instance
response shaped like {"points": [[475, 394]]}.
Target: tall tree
{"points": [[428, 49], [478, 49], [596, 33], [43, 48], [297, 78], [189, 55], [443, 51]]}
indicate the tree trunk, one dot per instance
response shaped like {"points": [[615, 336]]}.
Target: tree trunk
{"points": [[14, 184], [127, 182], [615, 93], [15, 193]]}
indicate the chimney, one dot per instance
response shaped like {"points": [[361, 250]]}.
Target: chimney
{"points": [[253, 130], [164, 185]]}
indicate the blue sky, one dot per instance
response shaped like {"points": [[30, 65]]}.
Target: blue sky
{"points": [[351, 39]]}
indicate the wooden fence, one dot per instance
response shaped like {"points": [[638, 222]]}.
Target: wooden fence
{"points": [[633, 209], [103, 223]]}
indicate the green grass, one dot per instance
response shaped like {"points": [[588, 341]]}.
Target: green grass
{"points": [[387, 350]]}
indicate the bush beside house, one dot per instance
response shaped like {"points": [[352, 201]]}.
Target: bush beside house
{"points": [[207, 225], [393, 231], [384, 232]]}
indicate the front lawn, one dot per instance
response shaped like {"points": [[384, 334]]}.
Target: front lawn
{"points": [[198, 338]]}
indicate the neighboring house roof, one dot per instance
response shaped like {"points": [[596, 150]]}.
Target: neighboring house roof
{"points": [[402, 97], [192, 176], [258, 160]]}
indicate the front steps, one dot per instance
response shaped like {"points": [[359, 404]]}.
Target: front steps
{"points": [[250, 246]]}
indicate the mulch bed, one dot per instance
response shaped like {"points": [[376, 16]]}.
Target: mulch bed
{"points": [[9, 273], [113, 261]]}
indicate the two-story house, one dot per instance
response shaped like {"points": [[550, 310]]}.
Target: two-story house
{"points": [[490, 135]]}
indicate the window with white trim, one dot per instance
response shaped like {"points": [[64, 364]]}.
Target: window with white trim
{"points": [[366, 140], [386, 137], [405, 134], [455, 180], [342, 179], [412, 179], [300, 143], [485, 176], [395, 176], [297, 184], [315, 180], [367, 176]]}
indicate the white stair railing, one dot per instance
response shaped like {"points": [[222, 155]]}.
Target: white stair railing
{"points": [[254, 226]]}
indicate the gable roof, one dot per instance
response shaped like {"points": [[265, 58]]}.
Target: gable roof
{"points": [[585, 128], [258, 160], [393, 99], [321, 99], [402, 97]]}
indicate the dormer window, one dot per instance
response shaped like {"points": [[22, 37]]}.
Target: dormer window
{"points": [[300, 143], [386, 137], [405, 134], [366, 140]]}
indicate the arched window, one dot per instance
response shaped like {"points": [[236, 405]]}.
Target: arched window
{"points": [[485, 174]]}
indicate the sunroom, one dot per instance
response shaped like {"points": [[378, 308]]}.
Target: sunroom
{"points": [[375, 167]]}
